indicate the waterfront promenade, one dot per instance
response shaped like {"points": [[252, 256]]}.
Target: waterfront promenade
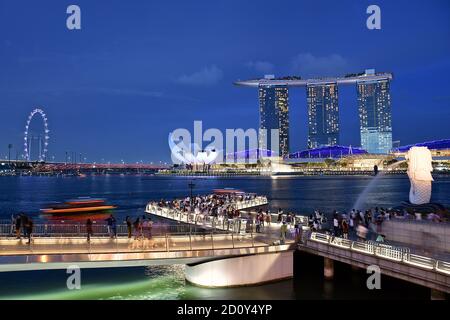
{"points": [[212, 246]]}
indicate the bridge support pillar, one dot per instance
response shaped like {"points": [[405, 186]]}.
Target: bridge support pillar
{"points": [[437, 295], [328, 268], [242, 270]]}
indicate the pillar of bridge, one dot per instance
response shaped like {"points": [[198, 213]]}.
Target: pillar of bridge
{"points": [[354, 268], [242, 270], [437, 295], [328, 268]]}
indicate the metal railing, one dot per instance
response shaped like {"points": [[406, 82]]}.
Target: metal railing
{"points": [[222, 222], [99, 230], [394, 253], [236, 225], [243, 204], [168, 242]]}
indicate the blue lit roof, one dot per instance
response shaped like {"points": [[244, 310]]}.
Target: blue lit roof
{"points": [[432, 145], [327, 152]]}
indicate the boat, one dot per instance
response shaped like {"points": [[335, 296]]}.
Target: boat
{"points": [[80, 208], [228, 191]]}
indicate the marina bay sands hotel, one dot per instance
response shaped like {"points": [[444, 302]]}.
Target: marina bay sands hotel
{"points": [[374, 106]]}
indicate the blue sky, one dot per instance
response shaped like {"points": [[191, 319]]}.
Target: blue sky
{"points": [[140, 69]]}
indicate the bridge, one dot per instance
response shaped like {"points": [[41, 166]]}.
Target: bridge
{"points": [[211, 257], [214, 249], [393, 261], [211, 254], [66, 167]]}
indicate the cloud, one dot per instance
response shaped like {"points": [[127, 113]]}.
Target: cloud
{"points": [[205, 77], [260, 66], [307, 64]]}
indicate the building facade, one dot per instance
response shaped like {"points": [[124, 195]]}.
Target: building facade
{"points": [[323, 115], [374, 103], [274, 119], [374, 106]]}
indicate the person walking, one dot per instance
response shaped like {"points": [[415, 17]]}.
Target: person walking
{"points": [[137, 228], [335, 225], [13, 224], [361, 231], [297, 231], [268, 218], [23, 224], [261, 221], [283, 231], [280, 215], [18, 225], [258, 224], [114, 226], [144, 228], [352, 220], [89, 230], [344, 225], [110, 221], [29, 227], [129, 225], [150, 226]]}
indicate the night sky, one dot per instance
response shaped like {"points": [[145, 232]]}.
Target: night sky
{"points": [[140, 69]]}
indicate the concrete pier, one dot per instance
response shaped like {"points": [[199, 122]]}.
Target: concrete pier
{"points": [[242, 271], [328, 268]]}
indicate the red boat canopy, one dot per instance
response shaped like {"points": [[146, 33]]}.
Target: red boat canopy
{"points": [[228, 191]]}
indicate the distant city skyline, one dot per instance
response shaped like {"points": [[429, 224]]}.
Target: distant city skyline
{"points": [[116, 88]]}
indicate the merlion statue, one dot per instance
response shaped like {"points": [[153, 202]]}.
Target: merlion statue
{"points": [[419, 173]]}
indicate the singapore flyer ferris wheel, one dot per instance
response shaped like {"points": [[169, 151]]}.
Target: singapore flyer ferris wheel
{"points": [[30, 138]]}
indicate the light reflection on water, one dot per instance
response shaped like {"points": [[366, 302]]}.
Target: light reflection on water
{"points": [[131, 193], [151, 283]]}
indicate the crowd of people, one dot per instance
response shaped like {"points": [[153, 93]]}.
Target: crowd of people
{"points": [[141, 227], [214, 205], [364, 224], [361, 224]]}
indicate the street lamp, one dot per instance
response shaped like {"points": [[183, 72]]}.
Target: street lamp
{"points": [[191, 186]]}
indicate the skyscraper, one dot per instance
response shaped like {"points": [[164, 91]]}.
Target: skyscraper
{"points": [[374, 103], [274, 114], [323, 115]]}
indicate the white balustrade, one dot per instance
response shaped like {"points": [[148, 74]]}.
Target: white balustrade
{"points": [[384, 251]]}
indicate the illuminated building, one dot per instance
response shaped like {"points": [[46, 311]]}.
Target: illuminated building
{"points": [[323, 115], [374, 104], [274, 118]]}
